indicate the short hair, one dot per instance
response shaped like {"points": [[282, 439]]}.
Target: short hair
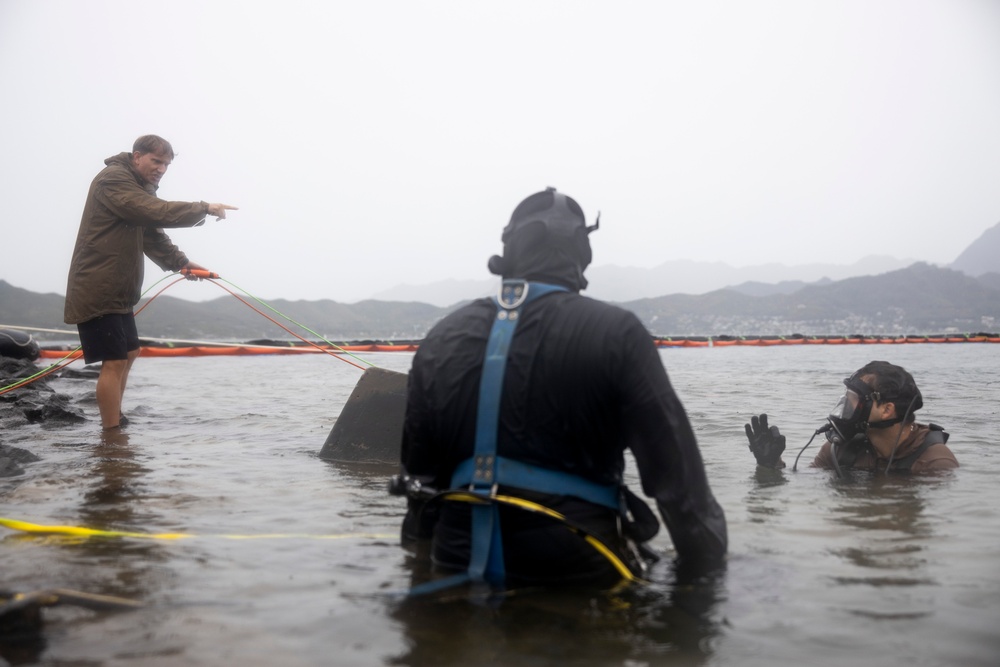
{"points": [[150, 143], [895, 385]]}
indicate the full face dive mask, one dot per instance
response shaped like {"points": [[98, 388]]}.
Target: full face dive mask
{"points": [[850, 416]]}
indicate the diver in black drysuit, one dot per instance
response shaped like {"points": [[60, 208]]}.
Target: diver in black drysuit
{"points": [[583, 382]]}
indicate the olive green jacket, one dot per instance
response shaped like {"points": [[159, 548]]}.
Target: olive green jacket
{"points": [[123, 220]]}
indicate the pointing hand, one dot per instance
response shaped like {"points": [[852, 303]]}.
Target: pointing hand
{"points": [[219, 210]]}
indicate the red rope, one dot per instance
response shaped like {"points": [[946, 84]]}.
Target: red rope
{"points": [[268, 317], [73, 356]]}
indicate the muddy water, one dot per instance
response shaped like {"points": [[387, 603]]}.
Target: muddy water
{"points": [[292, 560]]}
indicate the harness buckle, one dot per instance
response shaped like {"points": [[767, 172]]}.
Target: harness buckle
{"points": [[482, 472], [512, 294]]}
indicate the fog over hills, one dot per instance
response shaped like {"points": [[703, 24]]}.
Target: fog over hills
{"points": [[674, 299], [982, 256], [622, 283]]}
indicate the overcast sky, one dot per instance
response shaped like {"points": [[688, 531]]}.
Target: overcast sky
{"points": [[370, 144]]}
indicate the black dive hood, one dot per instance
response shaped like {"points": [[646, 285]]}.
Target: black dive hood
{"points": [[547, 239]]}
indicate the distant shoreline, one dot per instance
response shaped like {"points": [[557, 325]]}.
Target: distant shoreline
{"points": [[267, 346]]}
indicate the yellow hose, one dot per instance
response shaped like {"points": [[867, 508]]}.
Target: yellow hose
{"points": [[78, 531], [530, 506]]}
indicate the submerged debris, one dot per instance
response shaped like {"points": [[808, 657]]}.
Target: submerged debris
{"points": [[21, 620]]}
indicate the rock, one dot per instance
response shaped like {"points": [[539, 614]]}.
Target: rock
{"points": [[34, 402], [15, 369], [11, 457], [56, 409], [8, 468], [86, 373]]}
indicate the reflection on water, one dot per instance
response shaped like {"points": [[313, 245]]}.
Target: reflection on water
{"points": [[585, 626], [115, 483], [112, 500], [887, 513], [764, 502], [875, 501], [875, 528], [635, 625]]}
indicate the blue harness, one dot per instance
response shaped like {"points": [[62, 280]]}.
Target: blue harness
{"points": [[481, 475], [485, 471]]}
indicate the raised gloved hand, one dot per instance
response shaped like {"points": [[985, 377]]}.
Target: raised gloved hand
{"points": [[766, 443]]}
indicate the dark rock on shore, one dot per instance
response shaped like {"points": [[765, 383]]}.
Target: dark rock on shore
{"points": [[32, 403], [12, 369], [12, 457], [86, 373], [56, 408]]}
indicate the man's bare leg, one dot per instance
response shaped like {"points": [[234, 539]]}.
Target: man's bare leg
{"points": [[111, 388]]}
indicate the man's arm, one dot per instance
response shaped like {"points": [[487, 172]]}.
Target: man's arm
{"points": [[124, 197], [669, 461], [158, 247]]}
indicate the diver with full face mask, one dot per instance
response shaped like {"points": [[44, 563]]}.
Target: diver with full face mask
{"points": [[872, 427]]}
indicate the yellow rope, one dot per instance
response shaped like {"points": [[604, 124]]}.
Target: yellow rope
{"points": [[602, 548], [79, 531]]}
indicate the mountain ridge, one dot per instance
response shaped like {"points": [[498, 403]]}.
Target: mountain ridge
{"points": [[922, 298], [610, 282], [914, 299], [981, 257]]}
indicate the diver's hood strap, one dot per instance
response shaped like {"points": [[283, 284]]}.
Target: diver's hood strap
{"points": [[486, 558], [885, 423]]}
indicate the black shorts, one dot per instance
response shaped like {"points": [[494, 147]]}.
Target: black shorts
{"points": [[108, 337]]}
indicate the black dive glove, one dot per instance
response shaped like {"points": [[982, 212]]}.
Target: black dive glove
{"points": [[766, 443]]}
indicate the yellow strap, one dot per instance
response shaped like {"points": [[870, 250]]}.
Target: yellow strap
{"points": [[531, 506]]}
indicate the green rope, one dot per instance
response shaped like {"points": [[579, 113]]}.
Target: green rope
{"points": [[299, 324]]}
